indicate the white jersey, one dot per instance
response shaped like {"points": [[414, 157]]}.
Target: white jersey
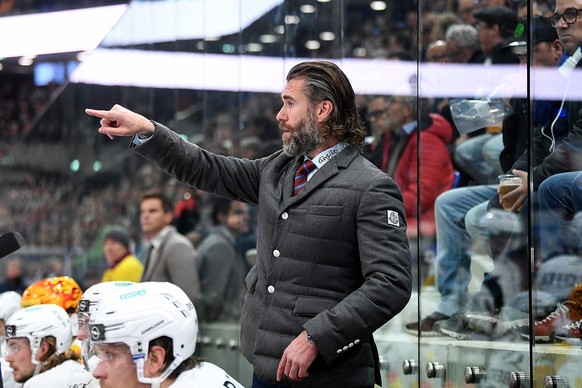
{"points": [[69, 374], [7, 377], [205, 375]]}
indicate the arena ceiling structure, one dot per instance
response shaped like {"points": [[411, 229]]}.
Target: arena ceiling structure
{"points": [[133, 44], [222, 46]]}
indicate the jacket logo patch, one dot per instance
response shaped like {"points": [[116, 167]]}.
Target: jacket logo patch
{"points": [[393, 219]]}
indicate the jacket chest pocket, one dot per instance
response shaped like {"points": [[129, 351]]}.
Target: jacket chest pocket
{"points": [[325, 211], [324, 222]]}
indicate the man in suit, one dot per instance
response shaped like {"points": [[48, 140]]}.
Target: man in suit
{"points": [[333, 261], [222, 267], [170, 256]]}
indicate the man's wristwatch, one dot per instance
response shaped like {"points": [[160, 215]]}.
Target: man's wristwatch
{"points": [[310, 339]]}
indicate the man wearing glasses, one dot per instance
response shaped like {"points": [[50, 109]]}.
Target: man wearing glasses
{"points": [[569, 28], [377, 116]]}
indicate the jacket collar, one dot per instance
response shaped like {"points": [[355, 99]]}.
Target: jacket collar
{"points": [[327, 171]]}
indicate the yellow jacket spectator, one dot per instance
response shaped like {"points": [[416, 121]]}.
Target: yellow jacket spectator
{"points": [[122, 265]]}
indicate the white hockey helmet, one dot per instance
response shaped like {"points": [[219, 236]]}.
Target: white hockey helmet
{"points": [[37, 322], [80, 320], [137, 314], [95, 293], [91, 297], [9, 304]]}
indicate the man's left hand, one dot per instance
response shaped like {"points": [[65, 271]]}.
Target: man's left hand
{"points": [[297, 358]]}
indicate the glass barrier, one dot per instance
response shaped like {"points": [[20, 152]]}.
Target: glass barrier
{"points": [[463, 108]]}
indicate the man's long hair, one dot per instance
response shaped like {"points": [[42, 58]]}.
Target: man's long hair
{"points": [[53, 359], [326, 81]]}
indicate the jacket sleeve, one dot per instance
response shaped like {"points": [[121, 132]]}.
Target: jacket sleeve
{"points": [[566, 156], [229, 177]]}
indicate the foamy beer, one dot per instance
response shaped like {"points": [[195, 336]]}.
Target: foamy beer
{"points": [[508, 183]]}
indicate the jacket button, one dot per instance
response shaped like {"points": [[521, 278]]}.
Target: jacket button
{"points": [[345, 348], [351, 345], [276, 253], [271, 289], [285, 215], [339, 351], [356, 342]]}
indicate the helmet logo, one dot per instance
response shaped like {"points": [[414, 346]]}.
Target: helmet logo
{"points": [[84, 306], [133, 294], [97, 332], [10, 331]]}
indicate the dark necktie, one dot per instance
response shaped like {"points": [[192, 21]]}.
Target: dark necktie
{"points": [[301, 175], [147, 256]]}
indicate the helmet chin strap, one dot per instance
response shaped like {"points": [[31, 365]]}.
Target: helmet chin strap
{"points": [[35, 344], [155, 381], [37, 367]]}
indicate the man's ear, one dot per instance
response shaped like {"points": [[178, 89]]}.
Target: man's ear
{"points": [[42, 352], [169, 217], [409, 110], [323, 110], [155, 361], [222, 218]]}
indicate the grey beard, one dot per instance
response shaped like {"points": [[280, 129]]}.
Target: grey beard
{"points": [[304, 141]]}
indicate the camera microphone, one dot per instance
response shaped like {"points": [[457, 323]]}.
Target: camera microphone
{"points": [[10, 243]]}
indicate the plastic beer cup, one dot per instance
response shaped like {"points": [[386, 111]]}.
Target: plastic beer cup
{"points": [[508, 183]]}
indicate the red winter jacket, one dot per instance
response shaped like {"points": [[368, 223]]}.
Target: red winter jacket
{"points": [[436, 170], [436, 173]]}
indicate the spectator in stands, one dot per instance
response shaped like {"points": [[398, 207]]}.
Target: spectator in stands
{"points": [[463, 44], [170, 256], [377, 117], [437, 52], [560, 206], [397, 155], [222, 266], [491, 4], [558, 272], [460, 210], [186, 211], [38, 340], [466, 9], [478, 156], [558, 175], [508, 238], [441, 24], [538, 8], [462, 47], [13, 278], [135, 350], [122, 265]]}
